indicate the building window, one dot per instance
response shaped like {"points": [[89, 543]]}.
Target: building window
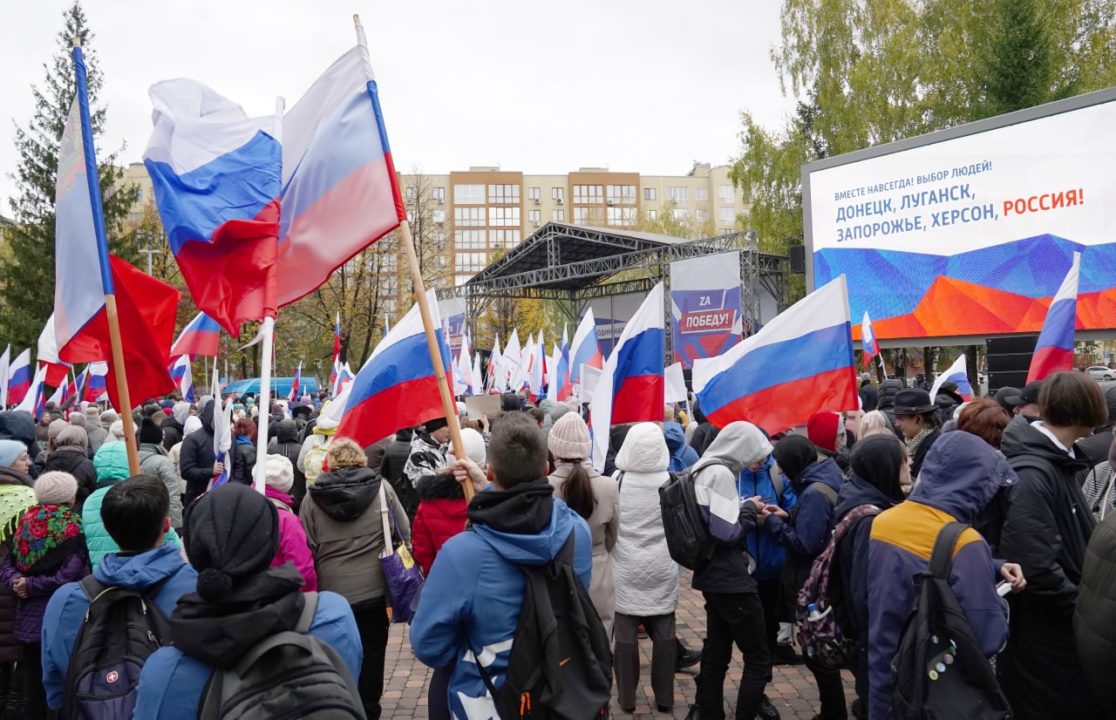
{"points": [[700, 215], [679, 195], [558, 194], [503, 217], [468, 216], [725, 193], [534, 194], [410, 193], [471, 262], [680, 214], [701, 194], [438, 216], [727, 215], [534, 216], [652, 215], [580, 215], [621, 194], [649, 194], [623, 216], [468, 194], [503, 194], [439, 239], [588, 194], [439, 194], [558, 215], [503, 238], [469, 239]]}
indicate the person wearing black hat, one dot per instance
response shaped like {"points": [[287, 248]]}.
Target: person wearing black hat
{"points": [[1095, 447], [916, 417], [428, 451], [1029, 401], [233, 533], [1009, 398]]}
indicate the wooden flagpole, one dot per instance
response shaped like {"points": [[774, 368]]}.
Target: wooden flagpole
{"points": [[121, 378]]}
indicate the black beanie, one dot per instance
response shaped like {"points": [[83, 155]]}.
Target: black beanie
{"points": [[150, 432], [509, 402], [435, 424], [231, 533]]}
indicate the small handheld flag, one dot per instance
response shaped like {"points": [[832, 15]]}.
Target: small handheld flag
{"points": [[869, 344], [1054, 349]]}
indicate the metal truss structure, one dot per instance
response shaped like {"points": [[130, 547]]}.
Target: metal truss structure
{"points": [[576, 263]]}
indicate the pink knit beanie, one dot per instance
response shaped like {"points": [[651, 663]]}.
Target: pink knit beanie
{"points": [[569, 438]]}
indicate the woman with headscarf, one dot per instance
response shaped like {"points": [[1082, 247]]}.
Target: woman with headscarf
{"points": [[804, 533], [46, 551], [593, 497], [877, 463]]}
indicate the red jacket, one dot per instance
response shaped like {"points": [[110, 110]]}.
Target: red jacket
{"points": [[440, 516]]}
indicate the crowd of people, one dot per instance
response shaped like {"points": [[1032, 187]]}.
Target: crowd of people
{"points": [[225, 576]]}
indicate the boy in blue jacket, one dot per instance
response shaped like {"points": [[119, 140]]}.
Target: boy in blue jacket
{"points": [[471, 601], [136, 514]]}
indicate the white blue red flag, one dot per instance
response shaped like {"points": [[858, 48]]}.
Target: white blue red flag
{"points": [[336, 366], [180, 373], [19, 378], [96, 382], [5, 363], [868, 342], [340, 190], [562, 373], [511, 359], [200, 338], [222, 434], [396, 388], [35, 398], [799, 364], [465, 368], [631, 385], [585, 349], [343, 376], [47, 354], [1054, 349], [495, 362], [957, 374], [296, 384]]}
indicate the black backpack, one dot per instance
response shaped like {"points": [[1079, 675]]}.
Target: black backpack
{"points": [[121, 629], [687, 534], [561, 659], [288, 675], [940, 670]]}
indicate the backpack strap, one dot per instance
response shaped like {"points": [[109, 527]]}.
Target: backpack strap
{"points": [[778, 482], [941, 559], [309, 608], [92, 587], [858, 512], [829, 493]]}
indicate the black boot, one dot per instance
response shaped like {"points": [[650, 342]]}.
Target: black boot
{"points": [[695, 709], [13, 700]]}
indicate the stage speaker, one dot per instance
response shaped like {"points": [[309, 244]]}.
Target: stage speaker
{"points": [[1009, 358], [797, 255]]}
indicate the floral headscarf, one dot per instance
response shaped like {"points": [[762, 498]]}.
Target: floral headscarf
{"points": [[14, 502], [46, 537]]}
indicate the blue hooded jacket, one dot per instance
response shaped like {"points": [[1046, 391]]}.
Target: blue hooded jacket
{"points": [[960, 475], [809, 533], [682, 455], [471, 602], [762, 547], [65, 613]]}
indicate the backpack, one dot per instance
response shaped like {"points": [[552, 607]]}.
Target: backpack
{"points": [[940, 670], [121, 629], [315, 459], [687, 534], [561, 658], [819, 635], [288, 675]]}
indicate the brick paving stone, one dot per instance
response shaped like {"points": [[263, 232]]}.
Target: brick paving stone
{"points": [[791, 689]]}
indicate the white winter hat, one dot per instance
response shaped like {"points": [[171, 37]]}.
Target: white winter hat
{"points": [[475, 448], [279, 473]]}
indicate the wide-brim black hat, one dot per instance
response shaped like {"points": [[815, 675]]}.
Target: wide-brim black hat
{"points": [[913, 401]]}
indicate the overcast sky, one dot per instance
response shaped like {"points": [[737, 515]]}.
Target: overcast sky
{"points": [[543, 87]]}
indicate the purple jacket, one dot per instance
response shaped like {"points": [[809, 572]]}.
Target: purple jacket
{"points": [[29, 612], [959, 477], [293, 547]]}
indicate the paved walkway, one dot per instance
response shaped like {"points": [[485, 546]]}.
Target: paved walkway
{"points": [[791, 690]]}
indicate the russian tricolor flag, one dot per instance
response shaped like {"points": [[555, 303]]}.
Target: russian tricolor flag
{"points": [[342, 377], [296, 385], [57, 371], [562, 373], [216, 174], [222, 434], [631, 385], [958, 374], [200, 338], [19, 378], [1054, 349], [96, 384], [34, 400], [397, 387], [585, 349], [180, 373], [5, 364], [799, 364], [868, 342]]}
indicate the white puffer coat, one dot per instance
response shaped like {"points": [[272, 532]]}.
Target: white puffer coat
{"points": [[646, 578]]}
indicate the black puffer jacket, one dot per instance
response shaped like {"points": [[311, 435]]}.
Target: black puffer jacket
{"points": [[11, 650], [1094, 621], [73, 460], [391, 468], [286, 444], [195, 459], [1046, 530]]}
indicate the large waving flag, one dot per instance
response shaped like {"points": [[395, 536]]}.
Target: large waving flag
{"points": [[19, 378], [340, 190], [216, 175], [799, 364], [957, 374], [145, 306], [200, 338], [397, 387], [631, 385], [180, 373], [868, 341], [57, 371], [5, 363], [1054, 349], [585, 349], [96, 382]]}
